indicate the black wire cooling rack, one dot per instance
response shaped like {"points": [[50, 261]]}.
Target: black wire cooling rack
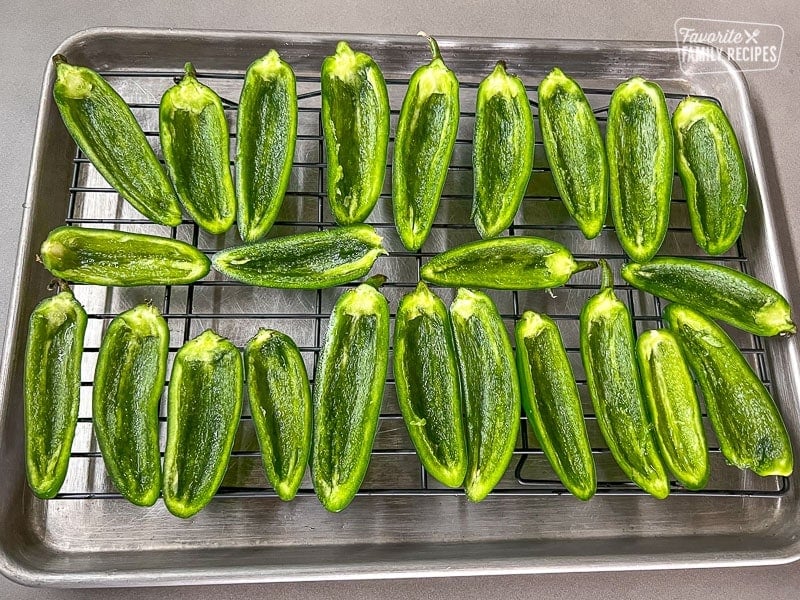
{"points": [[237, 311]]}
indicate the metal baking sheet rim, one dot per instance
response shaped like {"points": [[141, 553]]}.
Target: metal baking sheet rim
{"points": [[18, 573]]}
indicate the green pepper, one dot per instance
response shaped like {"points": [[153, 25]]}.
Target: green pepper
{"points": [[52, 387], [128, 383], [205, 402], [747, 423], [106, 131], [720, 292], [607, 350], [711, 167], [426, 134], [575, 151], [551, 401], [489, 387], [507, 263], [348, 391], [502, 150], [195, 142], [426, 379], [320, 259], [280, 403], [355, 120], [111, 257], [674, 408], [265, 142], [640, 164]]}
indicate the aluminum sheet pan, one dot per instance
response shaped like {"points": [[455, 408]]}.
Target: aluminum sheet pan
{"points": [[402, 524]]}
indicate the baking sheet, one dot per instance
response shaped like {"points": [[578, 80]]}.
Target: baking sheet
{"points": [[403, 523]]}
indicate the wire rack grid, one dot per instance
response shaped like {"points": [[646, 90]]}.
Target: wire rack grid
{"points": [[237, 311]]}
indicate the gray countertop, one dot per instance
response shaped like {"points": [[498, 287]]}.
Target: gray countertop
{"points": [[33, 29]]}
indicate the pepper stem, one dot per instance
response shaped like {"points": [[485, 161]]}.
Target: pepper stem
{"points": [[189, 70], [584, 265], [377, 281], [62, 285], [607, 279], [434, 46]]}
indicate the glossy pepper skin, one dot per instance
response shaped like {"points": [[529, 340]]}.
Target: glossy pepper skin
{"points": [[426, 134], [355, 121], [348, 391], [748, 424], [195, 142], [205, 402], [315, 260], [720, 292], [265, 141], [118, 258], [489, 388], [575, 151], [426, 380], [607, 350], [551, 401], [640, 164], [106, 131], [506, 263], [711, 168], [280, 405], [502, 151], [128, 384], [673, 406], [52, 387]]}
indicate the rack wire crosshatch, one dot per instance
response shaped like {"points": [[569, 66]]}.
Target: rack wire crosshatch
{"points": [[237, 311]]}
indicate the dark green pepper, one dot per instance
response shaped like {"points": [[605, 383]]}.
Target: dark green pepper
{"points": [[195, 142], [489, 387], [111, 257], [320, 259], [575, 151], [712, 170], [348, 391], [280, 403], [507, 263], [674, 408], [355, 120], [205, 402], [502, 151], [717, 291], [747, 423], [128, 383], [106, 131], [607, 350], [426, 134], [52, 390], [426, 379], [552, 403], [265, 142], [640, 164]]}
